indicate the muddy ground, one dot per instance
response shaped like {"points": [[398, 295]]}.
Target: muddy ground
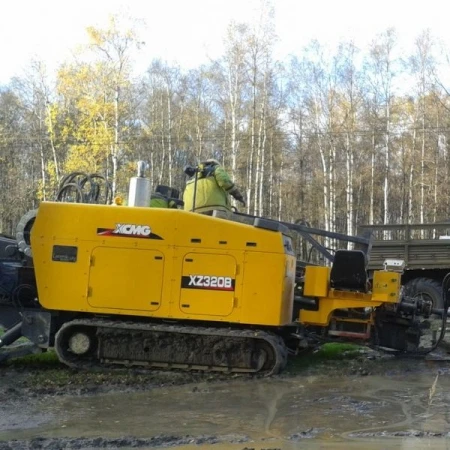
{"points": [[345, 399], [43, 374]]}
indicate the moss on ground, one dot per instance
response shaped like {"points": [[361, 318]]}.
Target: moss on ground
{"points": [[40, 360], [328, 354], [329, 351], [44, 372]]}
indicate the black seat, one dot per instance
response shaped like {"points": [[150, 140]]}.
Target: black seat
{"points": [[349, 271], [167, 191]]}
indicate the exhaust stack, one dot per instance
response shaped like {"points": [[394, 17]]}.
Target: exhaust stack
{"points": [[139, 192]]}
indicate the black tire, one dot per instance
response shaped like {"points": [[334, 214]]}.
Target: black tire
{"points": [[425, 288]]}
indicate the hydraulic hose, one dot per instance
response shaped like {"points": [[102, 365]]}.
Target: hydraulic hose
{"points": [[88, 188], [11, 335]]}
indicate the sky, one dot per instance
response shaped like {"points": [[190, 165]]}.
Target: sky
{"points": [[192, 31]]}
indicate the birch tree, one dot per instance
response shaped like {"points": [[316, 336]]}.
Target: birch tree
{"points": [[162, 110], [348, 110], [259, 73], [202, 112], [94, 92], [422, 66], [20, 168], [36, 93], [322, 102], [232, 72], [382, 71], [113, 47]]}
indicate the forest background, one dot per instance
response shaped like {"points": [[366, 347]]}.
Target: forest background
{"points": [[334, 137]]}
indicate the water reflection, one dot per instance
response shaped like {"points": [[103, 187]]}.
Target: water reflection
{"points": [[312, 413]]}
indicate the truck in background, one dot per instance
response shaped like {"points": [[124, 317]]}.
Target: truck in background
{"points": [[425, 250]]}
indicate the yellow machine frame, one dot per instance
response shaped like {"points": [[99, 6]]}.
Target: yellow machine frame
{"points": [[172, 264], [385, 289], [161, 263]]}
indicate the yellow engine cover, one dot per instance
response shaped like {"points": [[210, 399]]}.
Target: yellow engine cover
{"points": [[161, 263]]}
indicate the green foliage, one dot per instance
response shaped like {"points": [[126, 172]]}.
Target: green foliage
{"points": [[44, 360], [337, 350], [329, 352]]}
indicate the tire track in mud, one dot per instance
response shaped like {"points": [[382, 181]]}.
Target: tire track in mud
{"points": [[409, 419], [272, 409], [121, 442]]}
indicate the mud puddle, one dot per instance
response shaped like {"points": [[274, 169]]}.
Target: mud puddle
{"points": [[404, 411], [375, 444]]}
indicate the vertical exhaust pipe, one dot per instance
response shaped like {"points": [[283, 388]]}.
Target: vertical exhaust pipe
{"points": [[139, 190]]}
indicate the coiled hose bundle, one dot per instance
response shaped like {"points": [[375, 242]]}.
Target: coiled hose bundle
{"points": [[80, 187]]}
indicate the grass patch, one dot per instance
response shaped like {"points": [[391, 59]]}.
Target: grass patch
{"points": [[47, 359], [336, 350], [330, 352], [65, 377], [44, 370]]}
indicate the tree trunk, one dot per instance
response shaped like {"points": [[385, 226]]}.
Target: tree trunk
{"points": [[232, 92], [386, 171], [372, 181], [52, 143], [115, 151], [271, 180], [43, 176], [349, 186], [422, 175], [411, 180], [169, 133], [280, 186], [262, 164], [163, 144]]}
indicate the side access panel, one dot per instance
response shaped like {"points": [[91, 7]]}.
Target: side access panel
{"points": [[126, 278], [208, 284]]}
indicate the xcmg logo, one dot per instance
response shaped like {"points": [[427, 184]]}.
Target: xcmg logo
{"points": [[131, 229], [128, 230]]}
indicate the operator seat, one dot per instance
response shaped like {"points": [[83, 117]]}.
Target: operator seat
{"points": [[349, 271]]}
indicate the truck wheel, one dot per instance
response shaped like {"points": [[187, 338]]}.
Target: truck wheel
{"points": [[427, 289]]}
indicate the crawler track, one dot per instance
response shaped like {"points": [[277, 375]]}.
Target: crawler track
{"points": [[89, 343]]}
